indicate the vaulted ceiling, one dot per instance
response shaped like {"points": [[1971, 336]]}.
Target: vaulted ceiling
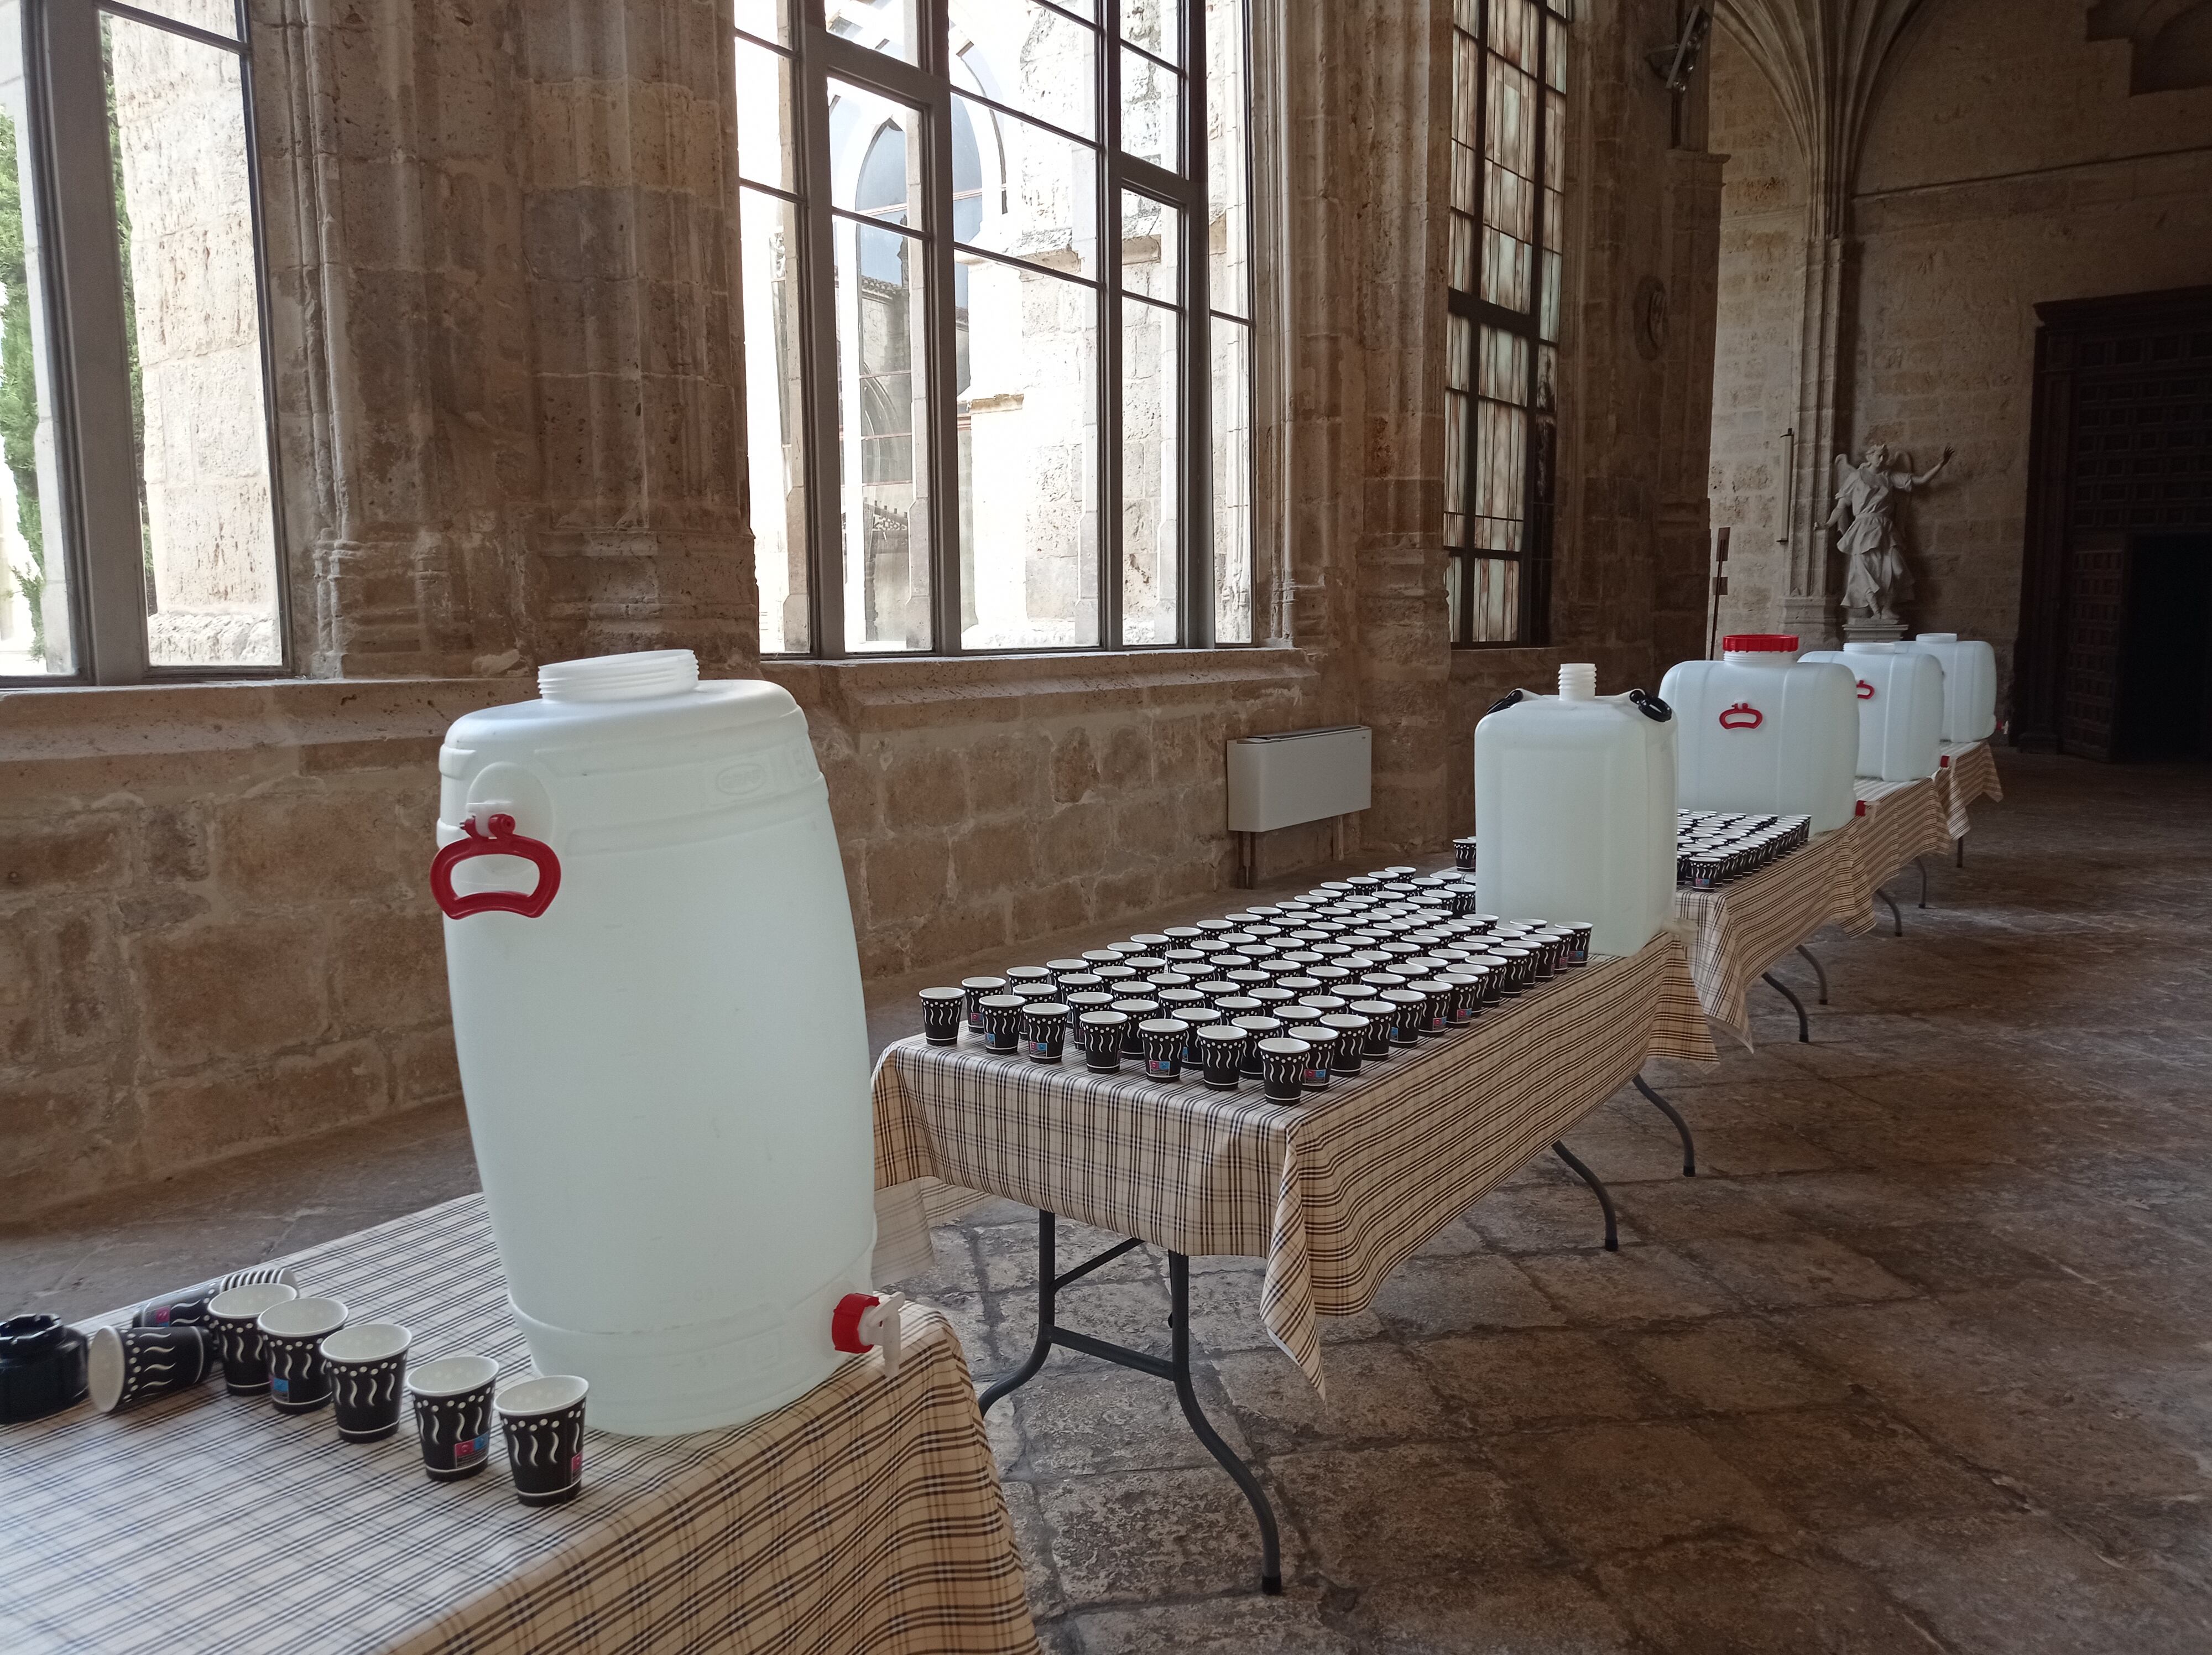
{"points": [[2172, 41]]}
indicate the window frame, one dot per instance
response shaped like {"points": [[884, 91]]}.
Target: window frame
{"points": [[1539, 489], [68, 164], [817, 57]]}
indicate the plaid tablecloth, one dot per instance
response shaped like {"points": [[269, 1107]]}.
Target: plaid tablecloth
{"points": [[1965, 774], [1335, 1193], [867, 1516], [1897, 821], [1746, 925]]}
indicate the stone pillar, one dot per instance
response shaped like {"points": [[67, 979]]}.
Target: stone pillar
{"points": [[502, 248], [1681, 578], [630, 234]]}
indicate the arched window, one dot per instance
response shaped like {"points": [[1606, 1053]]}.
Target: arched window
{"points": [[976, 421], [1507, 171]]}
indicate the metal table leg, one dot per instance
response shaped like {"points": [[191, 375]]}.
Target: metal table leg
{"points": [[1893, 913], [1604, 1199], [1819, 971], [1175, 1368], [1921, 862], [1962, 850], [1804, 1026], [1681, 1126]]}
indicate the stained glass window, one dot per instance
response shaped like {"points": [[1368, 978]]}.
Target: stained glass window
{"points": [[1508, 137]]}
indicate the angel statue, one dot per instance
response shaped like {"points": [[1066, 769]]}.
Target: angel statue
{"points": [[1866, 498]]}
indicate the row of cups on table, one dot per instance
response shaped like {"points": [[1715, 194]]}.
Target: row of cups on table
{"points": [[1252, 997], [1712, 847], [303, 1352]]}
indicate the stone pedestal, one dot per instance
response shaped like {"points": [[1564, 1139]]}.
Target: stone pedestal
{"points": [[1856, 631]]}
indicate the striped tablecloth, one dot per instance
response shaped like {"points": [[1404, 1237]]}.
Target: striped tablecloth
{"points": [[1335, 1193], [1748, 924], [1897, 821], [1965, 774], [867, 1516]]}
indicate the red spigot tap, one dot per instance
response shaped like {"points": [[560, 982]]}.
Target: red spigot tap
{"points": [[862, 1322], [1742, 717], [501, 840]]}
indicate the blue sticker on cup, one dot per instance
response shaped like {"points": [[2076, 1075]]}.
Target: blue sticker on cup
{"points": [[471, 1448], [280, 1387]]}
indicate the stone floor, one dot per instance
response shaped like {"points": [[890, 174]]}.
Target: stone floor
{"points": [[1918, 1361]]}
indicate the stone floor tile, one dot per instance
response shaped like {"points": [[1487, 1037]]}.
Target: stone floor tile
{"points": [[2170, 1536], [1132, 1313], [1136, 1537], [1734, 1597], [1848, 1467], [1542, 1219], [1424, 1297], [1291, 1625], [1689, 1208], [1521, 1612], [1855, 1198], [1606, 1488], [1734, 1365], [1033, 1539], [2061, 1445], [1412, 1512], [1786, 1271], [1510, 1381], [1377, 1392], [1651, 1283], [1728, 1150], [2019, 1585], [1099, 1418], [1946, 1258]]}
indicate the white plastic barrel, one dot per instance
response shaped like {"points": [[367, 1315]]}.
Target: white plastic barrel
{"points": [[1759, 730], [1900, 694], [667, 1069], [1574, 801], [1970, 684]]}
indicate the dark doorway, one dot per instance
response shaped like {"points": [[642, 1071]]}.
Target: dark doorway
{"points": [[2165, 647]]}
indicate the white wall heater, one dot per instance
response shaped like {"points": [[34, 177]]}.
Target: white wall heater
{"points": [[1299, 775]]}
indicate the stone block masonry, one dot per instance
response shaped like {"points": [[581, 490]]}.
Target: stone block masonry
{"points": [[215, 929]]}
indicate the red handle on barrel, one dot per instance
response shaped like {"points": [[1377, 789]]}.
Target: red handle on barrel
{"points": [[501, 840]]}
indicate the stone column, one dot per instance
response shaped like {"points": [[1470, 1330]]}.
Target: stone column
{"points": [[501, 245], [629, 210]]}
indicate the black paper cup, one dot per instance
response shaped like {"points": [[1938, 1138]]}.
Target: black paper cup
{"points": [[1102, 1035], [125, 1366], [452, 1415], [189, 1306], [292, 1335], [1436, 1007], [367, 1365], [1027, 977], [1409, 1006], [1282, 1068], [943, 1011], [975, 987], [1320, 1060], [1044, 1031], [42, 1362], [1375, 1045], [1139, 1011], [1221, 1054], [1577, 951], [1002, 1023], [1349, 1029], [1466, 987], [234, 1317], [1257, 1026], [543, 1420], [1164, 1038], [1520, 968]]}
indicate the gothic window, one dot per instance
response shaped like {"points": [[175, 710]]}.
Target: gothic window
{"points": [[974, 421], [138, 518], [1508, 162]]}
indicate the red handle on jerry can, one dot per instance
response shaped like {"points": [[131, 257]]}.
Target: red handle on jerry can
{"points": [[501, 840]]}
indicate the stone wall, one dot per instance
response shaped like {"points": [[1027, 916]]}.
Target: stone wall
{"points": [[2005, 164], [506, 337], [214, 925]]}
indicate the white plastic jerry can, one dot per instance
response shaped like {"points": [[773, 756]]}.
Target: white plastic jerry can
{"points": [[1970, 684], [1574, 803], [1759, 730], [1900, 695], [657, 1007]]}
